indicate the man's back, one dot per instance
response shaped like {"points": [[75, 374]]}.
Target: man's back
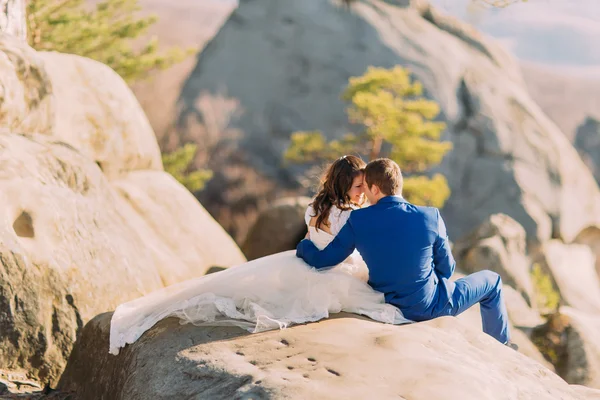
{"points": [[404, 245], [408, 254]]}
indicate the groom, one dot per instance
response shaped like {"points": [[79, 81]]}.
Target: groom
{"points": [[407, 251]]}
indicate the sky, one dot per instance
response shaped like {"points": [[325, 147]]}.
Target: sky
{"points": [[553, 32]]}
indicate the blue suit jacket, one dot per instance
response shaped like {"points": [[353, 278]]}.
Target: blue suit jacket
{"points": [[406, 250]]}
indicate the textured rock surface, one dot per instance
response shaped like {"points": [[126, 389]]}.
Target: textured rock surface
{"points": [[72, 246], [96, 112], [570, 338], [587, 143], [550, 85], [12, 18], [573, 270], [345, 357], [89, 219], [508, 156], [591, 238], [78, 101], [499, 244], [26, 103], [522, 318], [520, 313], [583, 348], [278, 228]]}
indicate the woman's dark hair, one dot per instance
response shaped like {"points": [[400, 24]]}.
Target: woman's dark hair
{"points": [[336, 183]]}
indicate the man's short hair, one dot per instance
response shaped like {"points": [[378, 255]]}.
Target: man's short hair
{"points": [[386, 174]]}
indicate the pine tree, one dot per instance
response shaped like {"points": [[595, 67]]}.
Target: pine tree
{"points": [[398, 123], [178, 163], [104, 33]]}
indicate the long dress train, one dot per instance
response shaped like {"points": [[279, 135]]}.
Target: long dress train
{"points": [[268, 293]]}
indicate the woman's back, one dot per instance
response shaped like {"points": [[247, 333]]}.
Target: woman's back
{"points": [[322, 236]]}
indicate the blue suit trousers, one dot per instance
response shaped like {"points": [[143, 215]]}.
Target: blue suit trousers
{"points": [[484, 287]]}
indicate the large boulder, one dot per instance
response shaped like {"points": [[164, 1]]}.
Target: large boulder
{"points": [[591, 237], [347, 357], [570, 340], [550, 84], [499, 244], [78, 101], [278, 228], [196, 23], [508, 156], [519, 312], [96, 112], [573, 271], [89, 219], [13, 20], [582, 365], [73, 245], [26, 103], [522, 319], [587, 143]]}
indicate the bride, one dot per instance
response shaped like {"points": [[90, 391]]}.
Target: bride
{"points": [[275, 291]]}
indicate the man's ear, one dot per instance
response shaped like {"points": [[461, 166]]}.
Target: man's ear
{"points": [[375, 190]]}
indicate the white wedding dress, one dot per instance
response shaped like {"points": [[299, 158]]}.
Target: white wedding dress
{"points": [[268, 293]]}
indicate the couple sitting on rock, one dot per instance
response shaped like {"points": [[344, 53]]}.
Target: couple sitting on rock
{"points": [[390, 261]]}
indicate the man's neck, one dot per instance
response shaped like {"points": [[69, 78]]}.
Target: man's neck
{"points": [[388, 195]]}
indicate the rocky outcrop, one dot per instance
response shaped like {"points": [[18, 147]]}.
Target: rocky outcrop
{"points": [[551, 85], [78, 101], [499, 244], [522, 319], [570, 340], [278, 228], [587, 143], [74, 243], [573, 270], [96, 112], [582, 364], [591, 238], [508, 156], [346, 357], [13, 18], [26, 103]]}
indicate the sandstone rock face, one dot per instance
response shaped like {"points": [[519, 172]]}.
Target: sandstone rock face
{"points": [[26, 103], [278, 228], [508, 156], [550, 85], [97, 113], [347, 357], [522, 318], [591, 238], [78, 101], [583, 348], [587, 143], [13, 19], [72, 246], [499, 244], [11, 382], [571, 338], [196, 22], [74, 243], [573, 269], [520, 313]]}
